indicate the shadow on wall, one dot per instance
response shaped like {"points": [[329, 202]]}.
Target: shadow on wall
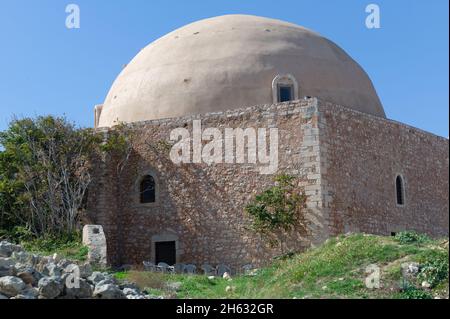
{"points": [[203, 206]]}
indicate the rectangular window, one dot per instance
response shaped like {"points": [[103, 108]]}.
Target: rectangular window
{"points": [[284, 93]]}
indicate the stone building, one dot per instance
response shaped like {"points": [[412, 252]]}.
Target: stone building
{"points": [[361, 171]]}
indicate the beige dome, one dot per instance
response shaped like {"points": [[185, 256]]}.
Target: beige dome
{"points": [[230, 62]]}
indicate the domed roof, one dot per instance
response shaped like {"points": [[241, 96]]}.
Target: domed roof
{"points": [[230, 62]]}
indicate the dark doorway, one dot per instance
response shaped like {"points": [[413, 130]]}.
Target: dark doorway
{"points": [[165, 252]]}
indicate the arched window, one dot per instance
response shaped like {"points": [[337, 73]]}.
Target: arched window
{"points": [[284, 88], [147, 189], [400, 191]]}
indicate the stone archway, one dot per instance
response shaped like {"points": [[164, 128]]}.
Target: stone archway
{"points": [[165, 241]]}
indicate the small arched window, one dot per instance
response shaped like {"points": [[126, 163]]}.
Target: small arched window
{"points": [[400, 191], [284, 88], [147, 190]]}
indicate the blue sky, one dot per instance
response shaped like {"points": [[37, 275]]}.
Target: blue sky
{"points": [[46, 68]]}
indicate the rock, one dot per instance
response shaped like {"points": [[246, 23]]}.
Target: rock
{"points": [[253, 272], [71, 269], [52, 270], [6, 249], [96, 277], [63, 263], [106, 281], [227, 276], [136, 297], [42, 262], [50, 287], [30, 293], [6, 262], [33, 272], [426, 284], [56, 258], [11, 286], [94, 238], [27, 278], [20, 296], [174, 286], [130, 291], [81, 290], [108, 291], [127, 284], [85, 270], [230, 289], [410, 269], [211, 277], [21, 257], [7, 267], [7, 272]]}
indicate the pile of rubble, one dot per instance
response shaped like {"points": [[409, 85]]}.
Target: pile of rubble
{"points": [[29, 276]]}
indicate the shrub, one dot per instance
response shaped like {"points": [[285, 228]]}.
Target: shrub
{"points": [[435, 271], [411, 292], [410, 237], [67, 245], [45, 171], [16, 235], [278, 210]]}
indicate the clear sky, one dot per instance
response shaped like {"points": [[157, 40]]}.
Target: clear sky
{"points": [[46, 68]]}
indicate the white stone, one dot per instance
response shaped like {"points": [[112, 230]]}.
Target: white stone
{"points": [[94, 238], [226, 276], [426, 284]]}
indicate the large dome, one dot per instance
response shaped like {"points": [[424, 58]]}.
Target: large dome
{"points": [[230, 62]]}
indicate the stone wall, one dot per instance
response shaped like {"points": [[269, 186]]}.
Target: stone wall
{"points": [[201, 207], [347, 161], [363, 156]]}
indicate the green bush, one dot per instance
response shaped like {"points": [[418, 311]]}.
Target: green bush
{"points": [[412, 292], [16, 235], [45, 171], [68, 246], [278, 210], [410, 237], [435, 271]]}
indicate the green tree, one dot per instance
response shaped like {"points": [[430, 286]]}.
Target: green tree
{"points": [[45, 173], [278, 210]]}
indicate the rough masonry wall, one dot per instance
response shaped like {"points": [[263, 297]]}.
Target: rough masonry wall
{"points": [[201, 207], [362, 155]]}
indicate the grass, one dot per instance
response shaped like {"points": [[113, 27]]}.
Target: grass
{"points": [[69, 247], [337, 269]]}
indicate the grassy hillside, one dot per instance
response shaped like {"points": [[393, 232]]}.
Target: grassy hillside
{"points": [[337, 269]]}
